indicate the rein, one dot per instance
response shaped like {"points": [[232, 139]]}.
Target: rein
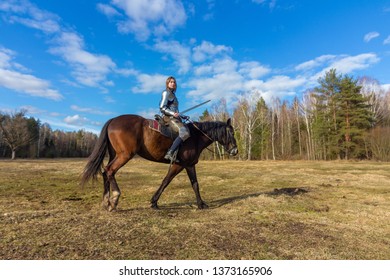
{"points": [[207, 148], [201, 131]]}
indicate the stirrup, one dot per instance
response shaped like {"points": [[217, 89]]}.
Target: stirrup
{"points": [[171, 156]]}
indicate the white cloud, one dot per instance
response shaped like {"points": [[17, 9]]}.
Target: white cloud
{"points": [[107, 10], [126, 72], [283, 83], [253, 69], [314, 63], [371, 35], [275, 87], [228, 79], [88, 69], [217, 75], [221, 66], [271, 4], [387, 40], [224, 85], [76, 120], [147, 17], [348, 64], [219, 79], [21, 82], [207, 50], [344, 64], [203, 69], [26, 13], [181, 54], [150, 83], [32, 110], [28, 84], [73, 123]]}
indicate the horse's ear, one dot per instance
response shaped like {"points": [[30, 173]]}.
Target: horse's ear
{"points": [[229, 121]]}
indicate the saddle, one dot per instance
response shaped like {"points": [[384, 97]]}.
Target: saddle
{"points": [[161, 125]]}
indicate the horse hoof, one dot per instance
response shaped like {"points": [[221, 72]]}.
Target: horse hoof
{"points": [[155, 206], [111, 208], [203, 206]]}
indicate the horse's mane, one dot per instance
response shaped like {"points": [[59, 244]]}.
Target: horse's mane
{"points": [[216, 130]]}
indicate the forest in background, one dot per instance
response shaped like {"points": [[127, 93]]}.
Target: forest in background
{"points": [[26, 137], [342, 118]]}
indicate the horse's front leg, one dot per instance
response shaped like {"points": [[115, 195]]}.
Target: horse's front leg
{"points": [[172, 172], [194, 182]]}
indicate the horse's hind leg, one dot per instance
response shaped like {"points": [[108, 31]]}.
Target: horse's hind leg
{"points": [[110, 172], [115, 193], [106, 183]]}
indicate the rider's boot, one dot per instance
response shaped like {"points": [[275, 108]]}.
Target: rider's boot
{"points": [[171, 152]]}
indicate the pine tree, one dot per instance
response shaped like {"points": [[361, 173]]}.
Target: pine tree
{"points": [[325, 126], [354, 118]]}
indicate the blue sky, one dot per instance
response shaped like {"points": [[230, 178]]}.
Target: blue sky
{"points": [[76, 63]]}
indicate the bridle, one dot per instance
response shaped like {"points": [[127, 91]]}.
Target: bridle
{"points": [[205, 134]]}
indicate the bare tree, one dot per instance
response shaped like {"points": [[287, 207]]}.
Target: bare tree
{"points": [[297, 119], [15, 131], [375, 94], [307, 107], [386, 108], [249, 116], [275, 116], [379, 141], [219, 112]]}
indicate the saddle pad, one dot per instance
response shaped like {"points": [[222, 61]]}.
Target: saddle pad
{"points": [[155, 125], [162, 129]]}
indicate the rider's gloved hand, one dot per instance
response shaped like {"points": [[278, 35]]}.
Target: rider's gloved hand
{"points": [[186, 118]]}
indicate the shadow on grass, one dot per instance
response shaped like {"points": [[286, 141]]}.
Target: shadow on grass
{"points": [[228, 200]]}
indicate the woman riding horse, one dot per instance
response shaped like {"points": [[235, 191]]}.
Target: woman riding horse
{"points": [[125, 136], [169, 107]]}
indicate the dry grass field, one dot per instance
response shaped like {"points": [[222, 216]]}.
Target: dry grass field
{"points": [[258, 210]]}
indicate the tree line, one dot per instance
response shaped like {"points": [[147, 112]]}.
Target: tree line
{"points": [[341, 118], [26, 137]]}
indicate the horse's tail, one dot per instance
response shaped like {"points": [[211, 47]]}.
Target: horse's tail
{"points": [[95, 160]]}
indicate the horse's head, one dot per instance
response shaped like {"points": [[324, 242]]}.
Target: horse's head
{"points": [[229, 143], [221, 132]]}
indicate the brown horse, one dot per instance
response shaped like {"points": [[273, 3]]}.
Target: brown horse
{"points": [[127, 135]]}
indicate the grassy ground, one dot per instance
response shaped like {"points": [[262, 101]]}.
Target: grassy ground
{"points": [[258, 210]]}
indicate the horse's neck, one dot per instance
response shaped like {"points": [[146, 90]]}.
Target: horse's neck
{"points": [[205, 134]]}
